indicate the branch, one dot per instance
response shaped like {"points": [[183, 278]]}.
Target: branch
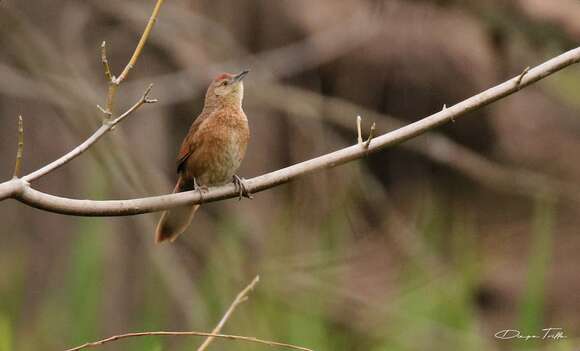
{"points": [[359, 138], [98, 134], [371, 135], [62, 205], [242, 296], [105, 61], [141, 43], [187, 333], [433, 145], [108, 122], [113, 81], [20, 150], [521, 76], [359, 134]]}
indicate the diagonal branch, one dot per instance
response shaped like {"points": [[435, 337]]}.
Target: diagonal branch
{"points": [[24, 193], [113, 81], [108, 122], [98, 134], [141, 43], [242, 296]]}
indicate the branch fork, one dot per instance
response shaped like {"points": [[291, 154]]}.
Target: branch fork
{"points": [[367, 142]]}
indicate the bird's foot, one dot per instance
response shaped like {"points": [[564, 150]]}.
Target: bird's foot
{"points": [[200, 188], [241, 187]]}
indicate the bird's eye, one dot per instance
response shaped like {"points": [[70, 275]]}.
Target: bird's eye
{"points": [[224, 83]]}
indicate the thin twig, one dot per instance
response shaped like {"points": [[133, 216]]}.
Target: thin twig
{"points": [[112, 87], [19, 150], [108, 123], [114, 82], [371, 134], [144, 100], [105, 62], [242, 296], [521, 76], [187, 333], [141, 43], [98, 134], [358, 128]]}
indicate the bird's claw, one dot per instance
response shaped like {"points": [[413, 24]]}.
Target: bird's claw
{"points": [[200, 188], [241, 187]]}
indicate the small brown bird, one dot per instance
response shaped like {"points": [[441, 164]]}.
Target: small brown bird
{"points": [[212, 151]]}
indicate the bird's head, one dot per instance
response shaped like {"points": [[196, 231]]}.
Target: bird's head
{"points": [[226, 88]]}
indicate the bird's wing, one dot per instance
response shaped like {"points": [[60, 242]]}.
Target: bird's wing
{"points": [[188, 144]]}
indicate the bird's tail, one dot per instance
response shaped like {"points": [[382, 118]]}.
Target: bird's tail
{"points": [[174, 222]]}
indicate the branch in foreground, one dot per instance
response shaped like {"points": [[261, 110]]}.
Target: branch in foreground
{"points": [[242, 296], [23, 192]]}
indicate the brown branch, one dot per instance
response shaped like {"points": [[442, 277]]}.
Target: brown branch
{"points": [[187, 333], [359, 138], [141, 43], [20, 150], [56, 204], [359, 133], [242, 297], [112, 88], [114, 82], [105, 61]]}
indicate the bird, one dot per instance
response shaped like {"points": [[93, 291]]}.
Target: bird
{"points": [[211, 152]]}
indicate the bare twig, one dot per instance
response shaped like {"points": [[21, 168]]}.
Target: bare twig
{"points": [[108, 75], [242, 296], [141, 43], [108, 123], [20, 150], [98, 134], [358, 129], [112, 87], [114, 82], [187, 333], [371, 132], [56, 204], [521, 76], [144, 100]]}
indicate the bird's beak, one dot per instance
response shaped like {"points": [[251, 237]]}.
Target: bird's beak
{"points": [[240, 76]]}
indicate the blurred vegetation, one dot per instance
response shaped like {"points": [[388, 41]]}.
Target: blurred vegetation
{"points": [[414, 248]]}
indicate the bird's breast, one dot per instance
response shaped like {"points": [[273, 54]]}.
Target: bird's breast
{"points": [[221, 150]]}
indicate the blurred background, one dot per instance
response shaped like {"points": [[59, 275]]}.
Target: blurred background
{"points": [[435, 244]]}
